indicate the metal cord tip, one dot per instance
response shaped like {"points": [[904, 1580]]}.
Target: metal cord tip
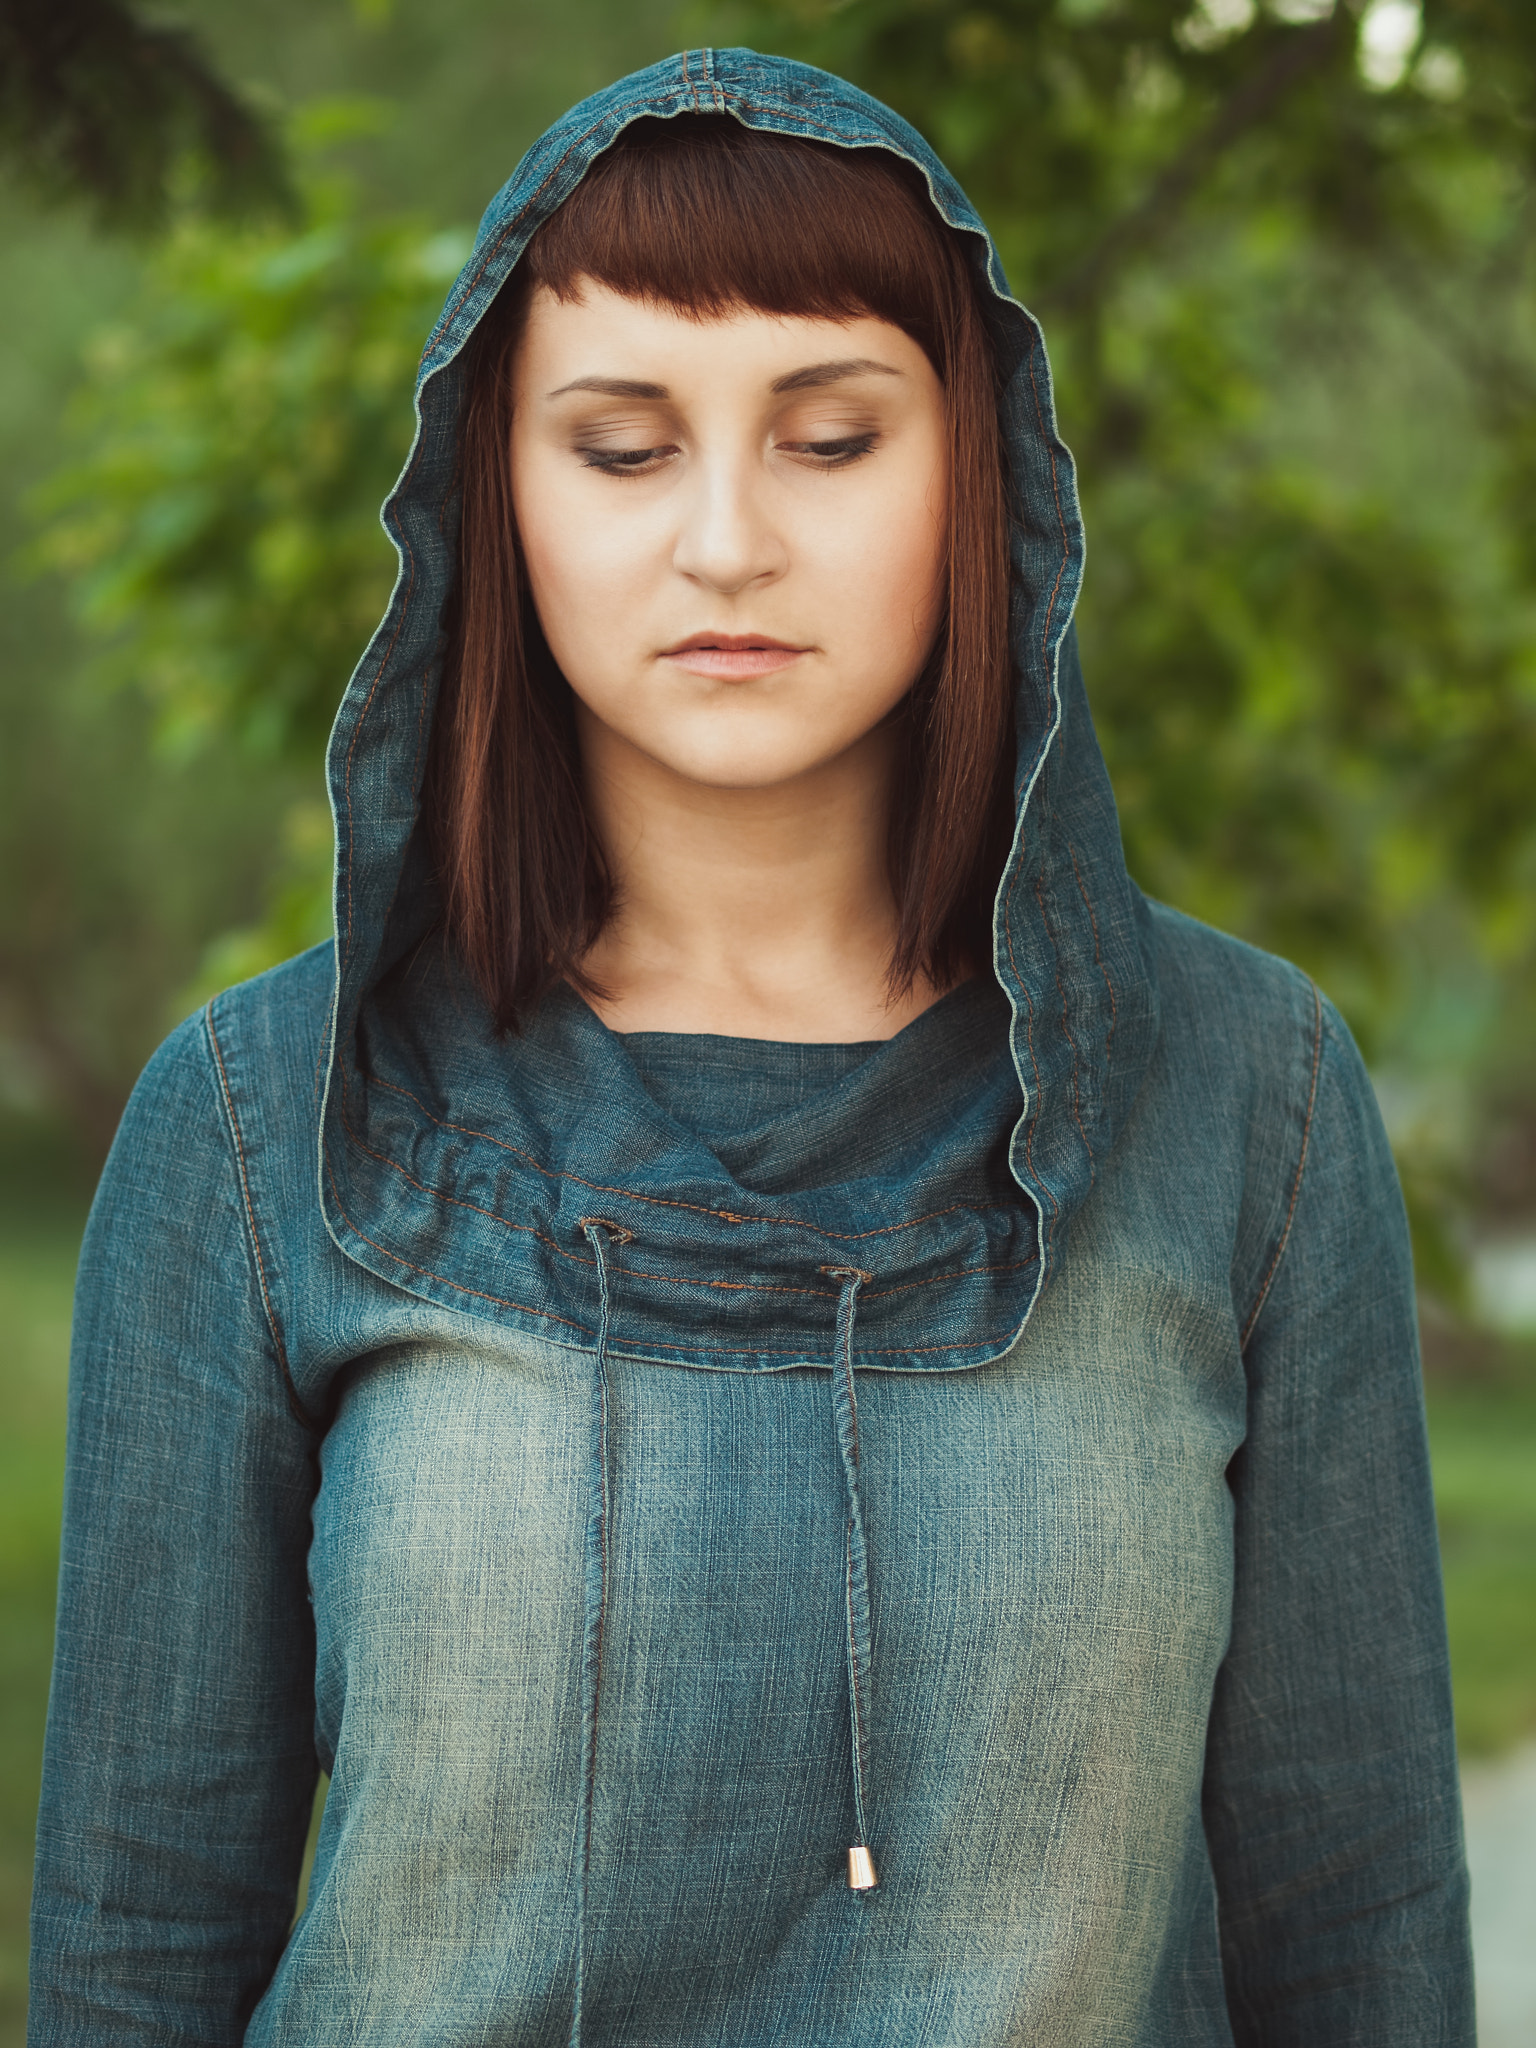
{"points": [[861, 1869]]}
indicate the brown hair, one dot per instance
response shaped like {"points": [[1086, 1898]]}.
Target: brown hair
{"points": [[703, 214]]}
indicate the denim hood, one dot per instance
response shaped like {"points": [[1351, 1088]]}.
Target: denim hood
{"points": [[448, 1155]]}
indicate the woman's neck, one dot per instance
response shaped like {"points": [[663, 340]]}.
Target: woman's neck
{"points": [[755, 913]]}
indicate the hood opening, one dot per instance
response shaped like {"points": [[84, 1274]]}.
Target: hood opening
{"points": [[452, 1154]]}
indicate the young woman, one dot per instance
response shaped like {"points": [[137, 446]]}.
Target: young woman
{"points": [[811, 1406]]}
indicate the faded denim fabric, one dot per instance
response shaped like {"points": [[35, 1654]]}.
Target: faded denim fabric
{"points": [[614, 1515]]}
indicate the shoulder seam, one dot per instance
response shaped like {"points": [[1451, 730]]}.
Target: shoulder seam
{"points": [[1301, 1166], [300, 1413]]}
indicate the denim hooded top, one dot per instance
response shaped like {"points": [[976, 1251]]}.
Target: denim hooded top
{"points": [[1031, 1490]]}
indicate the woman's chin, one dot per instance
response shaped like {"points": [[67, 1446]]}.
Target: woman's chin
{"points": [[748, 770]]}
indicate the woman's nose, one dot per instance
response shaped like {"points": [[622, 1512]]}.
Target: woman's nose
{"points": [[727, 541]]}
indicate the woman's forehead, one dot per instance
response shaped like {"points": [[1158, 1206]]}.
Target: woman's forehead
{"points": [[596, 339]]}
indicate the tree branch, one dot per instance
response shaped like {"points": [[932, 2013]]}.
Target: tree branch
{"points": [[1294, 59], [96, 103]]}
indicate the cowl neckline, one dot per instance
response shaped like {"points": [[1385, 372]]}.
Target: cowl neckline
{"points": [[784, 1115]]}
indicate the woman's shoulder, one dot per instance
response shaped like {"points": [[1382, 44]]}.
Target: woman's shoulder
{"points": [[215, 1151], [1210, 969], [250, 1059], [1242, 1007], [275, 1018], [278, 1023], [1263, 1081], [1248, 1024]]}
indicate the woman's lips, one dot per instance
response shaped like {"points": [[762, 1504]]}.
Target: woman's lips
{"points": [[732, 657]]}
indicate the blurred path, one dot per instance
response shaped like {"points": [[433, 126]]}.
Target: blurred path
{"points": [[1500, 1801]]}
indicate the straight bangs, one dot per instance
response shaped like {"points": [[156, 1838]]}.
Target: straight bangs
{"points": [[706, 216]]}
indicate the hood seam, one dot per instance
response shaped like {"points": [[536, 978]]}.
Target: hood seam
{"points": [[1066, 1028], [409, 564], [670, 1280], [632, 1194], [1098, 955], [1301, 1167], [300, 1413], [475, 1293]]}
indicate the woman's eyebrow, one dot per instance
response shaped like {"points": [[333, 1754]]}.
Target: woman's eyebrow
{"points": [[614, 387], [816, 374], [809, 379]]}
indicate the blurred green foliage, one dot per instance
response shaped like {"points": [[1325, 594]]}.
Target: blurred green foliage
{"points": [[1483, 1437], [118, 864], [39, 1231], [243, 426]]}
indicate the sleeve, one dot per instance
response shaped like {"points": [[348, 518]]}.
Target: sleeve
{"points": [[1331, 1794], [179, 1767]]}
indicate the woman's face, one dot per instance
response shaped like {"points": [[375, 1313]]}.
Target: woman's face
{"points": [[734, 529]]}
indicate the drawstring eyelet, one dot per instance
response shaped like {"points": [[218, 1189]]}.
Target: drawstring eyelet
{"points": [[616, 1232]]}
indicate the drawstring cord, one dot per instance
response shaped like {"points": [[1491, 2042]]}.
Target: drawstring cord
{"points": [[601, 1235], [862, 1876]]}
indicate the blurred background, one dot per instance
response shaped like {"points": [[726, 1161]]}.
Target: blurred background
{"points": [[1283, 252]]}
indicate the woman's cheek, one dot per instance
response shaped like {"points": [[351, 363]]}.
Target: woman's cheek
{"points": [[577, 576], [893, 552]]}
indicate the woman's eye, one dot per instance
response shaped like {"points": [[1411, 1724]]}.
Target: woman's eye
{"points": [[829, 454], [832, 454], [622, 461]]}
